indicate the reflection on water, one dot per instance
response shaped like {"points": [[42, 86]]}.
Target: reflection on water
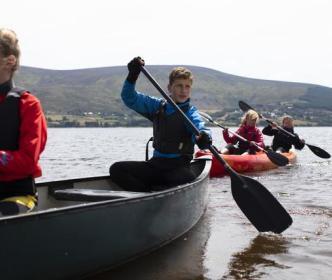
{"points": [[179, 260], [247, 264]]}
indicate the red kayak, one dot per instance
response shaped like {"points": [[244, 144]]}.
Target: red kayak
{"points": [[243, 163]]}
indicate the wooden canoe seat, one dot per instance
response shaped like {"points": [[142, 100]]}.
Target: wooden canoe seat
{"points": [[93, 195]]}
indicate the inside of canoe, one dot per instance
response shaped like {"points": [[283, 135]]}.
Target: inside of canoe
{"points": [[58, 194], [92, 195], [64, 193]]}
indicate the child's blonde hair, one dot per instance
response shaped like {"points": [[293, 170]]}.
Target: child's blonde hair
{"points": [[250, 115], [180, 73], [9, 45]]}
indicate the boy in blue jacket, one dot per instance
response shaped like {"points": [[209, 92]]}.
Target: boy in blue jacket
{"points": [[173, 140]]}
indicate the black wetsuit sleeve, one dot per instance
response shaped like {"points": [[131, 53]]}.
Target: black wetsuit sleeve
{"points": [[268, 130]]}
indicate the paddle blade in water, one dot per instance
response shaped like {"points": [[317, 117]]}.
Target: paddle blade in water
{"points": [[277, 158], [261, 208], [319, 152]]}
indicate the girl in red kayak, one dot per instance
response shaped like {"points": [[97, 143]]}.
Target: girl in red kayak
{"points": [[247, 130]]}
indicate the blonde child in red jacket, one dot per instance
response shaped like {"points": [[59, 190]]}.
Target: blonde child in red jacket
{"points": [[23, 134], [247, 130]]}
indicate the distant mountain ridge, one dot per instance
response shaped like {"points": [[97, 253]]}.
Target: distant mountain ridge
{"points": [[74, 92]]}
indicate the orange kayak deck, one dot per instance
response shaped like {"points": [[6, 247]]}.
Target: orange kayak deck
{"points": [[243, 163]]}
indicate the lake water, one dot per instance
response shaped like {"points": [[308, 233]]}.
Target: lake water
{"points": [[223, 245]]}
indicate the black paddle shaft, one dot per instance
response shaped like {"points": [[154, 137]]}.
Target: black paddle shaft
{"points": [[261, 208]]}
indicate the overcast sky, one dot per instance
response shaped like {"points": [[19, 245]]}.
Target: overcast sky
{"points": [[288, 40]]}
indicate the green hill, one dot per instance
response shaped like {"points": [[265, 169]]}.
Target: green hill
{"points": [[97, 90]]}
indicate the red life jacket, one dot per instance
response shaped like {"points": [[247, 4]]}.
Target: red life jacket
{"points": [[9, 140]]}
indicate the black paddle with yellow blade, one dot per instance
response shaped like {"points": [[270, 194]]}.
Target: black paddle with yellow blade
{"points": [[276, 158], [261, 208], [316, 150]]}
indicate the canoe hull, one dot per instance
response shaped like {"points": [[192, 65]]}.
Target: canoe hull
{"points": [[243, 163], [82, 239]]}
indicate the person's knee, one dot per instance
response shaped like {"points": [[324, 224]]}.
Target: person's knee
{"points": [[281, 150], [116, 168], [224, 151], [229, 149], [117, 172]]}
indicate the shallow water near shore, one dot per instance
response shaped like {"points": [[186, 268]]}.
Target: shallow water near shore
{"points": [[223, 245]]}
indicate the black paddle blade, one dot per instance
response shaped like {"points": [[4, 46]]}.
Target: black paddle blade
{"points": [[277, 158], [261, 208], [319, 152], [244, 106]]}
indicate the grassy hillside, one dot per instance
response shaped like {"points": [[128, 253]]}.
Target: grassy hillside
{"points": [[97, 90]]}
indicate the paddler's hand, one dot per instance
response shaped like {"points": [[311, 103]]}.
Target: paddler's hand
{"points": [[252, 143], [204, 140], [134, 68], [273, 125]]}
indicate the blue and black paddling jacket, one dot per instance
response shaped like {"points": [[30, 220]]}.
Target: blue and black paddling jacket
{"points": [[171, 136]]}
